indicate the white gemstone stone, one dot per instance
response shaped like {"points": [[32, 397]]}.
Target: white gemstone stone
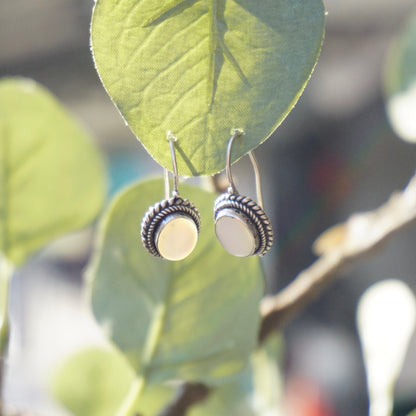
{"points": [[235, 234], [176, 237]]}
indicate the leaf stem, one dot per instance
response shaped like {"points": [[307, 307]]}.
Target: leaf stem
{"points": [[129, 404], [6, 272]]}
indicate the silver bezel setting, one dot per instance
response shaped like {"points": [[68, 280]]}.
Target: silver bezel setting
{"points": [[156, 214], [252, 212]]}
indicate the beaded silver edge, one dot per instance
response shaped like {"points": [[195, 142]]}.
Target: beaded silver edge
{"points": [[254, 212], [158, 212]]}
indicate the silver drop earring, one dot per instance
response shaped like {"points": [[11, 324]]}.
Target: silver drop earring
{"points": [[170, 228], [241, 225]]}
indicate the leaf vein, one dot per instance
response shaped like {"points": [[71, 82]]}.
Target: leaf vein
{"points": [[133, 57], [165, 12]]}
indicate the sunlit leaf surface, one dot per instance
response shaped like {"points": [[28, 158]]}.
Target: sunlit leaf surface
{"points": [[200, 68]]}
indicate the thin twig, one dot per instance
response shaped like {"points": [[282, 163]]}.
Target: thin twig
{"points": [[188, 395], [360, 236]]}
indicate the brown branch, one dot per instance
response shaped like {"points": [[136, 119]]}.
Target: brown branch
{"points": [[341, 247], [219, 183], [188, 395], [360, 236]]}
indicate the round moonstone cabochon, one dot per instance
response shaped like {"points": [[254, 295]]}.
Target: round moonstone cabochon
{"points": [[176, 237], [235, 234]]}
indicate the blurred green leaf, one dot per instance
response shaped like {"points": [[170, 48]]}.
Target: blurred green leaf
{"points": [[385, 334], [196, 319], [94, 381], [412, 413], [203, 67], [256, 392], [229, 399], [6, 273], [267, 378], [51, 176], [400, 82]]}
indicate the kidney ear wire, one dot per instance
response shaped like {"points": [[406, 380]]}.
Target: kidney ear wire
{"points": [[170, 228], [259, 193], [241, 225]]}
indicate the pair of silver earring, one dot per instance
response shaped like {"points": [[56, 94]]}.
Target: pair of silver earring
{"points": [[171, 227]]}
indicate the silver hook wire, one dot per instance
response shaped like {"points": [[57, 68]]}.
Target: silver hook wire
{"points": [[175, 191], [232, 188], [257, 178]]}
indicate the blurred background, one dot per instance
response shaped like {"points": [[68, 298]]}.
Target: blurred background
{"points": [[335, 154]]}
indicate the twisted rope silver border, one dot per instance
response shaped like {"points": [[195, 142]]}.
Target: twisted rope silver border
{"points": [[255, 214], [158, 212]]}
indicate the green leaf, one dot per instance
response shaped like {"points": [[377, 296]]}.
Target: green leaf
{"points": [[400, 82], [196, 319], [229, 399], [51, 176], [412, 413], [94, 381], [267, 377], [6, 273], [200, 68], [256, 392]]}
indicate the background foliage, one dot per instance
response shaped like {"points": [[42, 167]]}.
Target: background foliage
{"points": [[51, 176]]}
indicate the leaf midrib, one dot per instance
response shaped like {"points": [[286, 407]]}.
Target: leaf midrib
{"points": [[155, 329], [217, 47], [156, 325]]}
